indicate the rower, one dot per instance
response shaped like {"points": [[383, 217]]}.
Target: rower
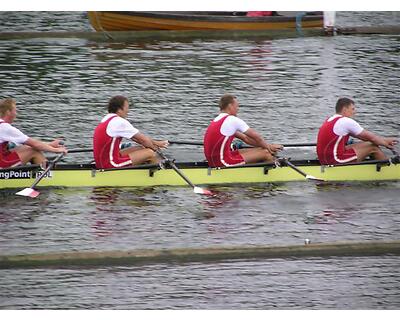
{"points": [[227, 126], [109, 134], [28, 149], [332, 147]]}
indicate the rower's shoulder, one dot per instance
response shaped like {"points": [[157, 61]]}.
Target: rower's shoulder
{"points": [[335, 116]]}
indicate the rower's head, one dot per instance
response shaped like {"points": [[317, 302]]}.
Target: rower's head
{"points": [[8, 109], [229, 104], [345, 107], [119, 105]]}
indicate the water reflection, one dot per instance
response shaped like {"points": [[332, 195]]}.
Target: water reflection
{"points": [[330, 216], [226, 198], [218, 201], [327, 186], [102, 197], [112, 205], [260, 56]]}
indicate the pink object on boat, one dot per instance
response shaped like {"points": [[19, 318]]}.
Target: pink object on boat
{"points": [[259, 13]]}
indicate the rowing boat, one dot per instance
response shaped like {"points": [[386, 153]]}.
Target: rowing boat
{"points": [[86, 175], [180, 20]]}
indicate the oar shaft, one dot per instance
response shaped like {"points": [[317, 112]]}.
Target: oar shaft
{"points": [[49, 167], [285, 145], [172, 164], [162, 155], [305, 175], [191, 143], [181, 174], [289, 164], [80, 150], [299, 145], [198, 143], [288, 145]]}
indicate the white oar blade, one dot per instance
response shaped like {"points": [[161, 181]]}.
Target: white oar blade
{"points": [[199, 190], [28, 192], [310, 177]]}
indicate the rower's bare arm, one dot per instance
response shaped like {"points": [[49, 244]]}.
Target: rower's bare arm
{"points": [[255, 139], [378, 140], [42, 146], [144, 140], [246, 139]]}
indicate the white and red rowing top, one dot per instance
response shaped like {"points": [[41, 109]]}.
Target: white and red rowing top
{"points": [[218, 138], [332, 139], [8, 133], [106, 141]]}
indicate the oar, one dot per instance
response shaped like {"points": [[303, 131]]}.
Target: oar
{"points": [[195, 188], [307, 176], [80, 150], [285, 145], [190, 143], [198, 143], [31, 192]]}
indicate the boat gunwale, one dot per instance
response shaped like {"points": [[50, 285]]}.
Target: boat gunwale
{"points": [[198, 165]]}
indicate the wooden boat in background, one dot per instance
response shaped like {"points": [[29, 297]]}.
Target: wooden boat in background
{"points": [[183, 20]]}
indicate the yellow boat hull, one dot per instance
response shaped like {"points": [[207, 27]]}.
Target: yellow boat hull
{"points": [[65, 176]]}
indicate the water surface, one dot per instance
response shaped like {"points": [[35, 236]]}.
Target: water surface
{"points": [[286, 88]]}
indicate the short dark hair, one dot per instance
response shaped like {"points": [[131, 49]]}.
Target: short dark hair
{"points": [[116, 103], [226, 100], [343, 102]]}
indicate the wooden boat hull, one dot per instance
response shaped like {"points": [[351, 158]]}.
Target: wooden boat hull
{"points": [[141, 21], [65, 175]]}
